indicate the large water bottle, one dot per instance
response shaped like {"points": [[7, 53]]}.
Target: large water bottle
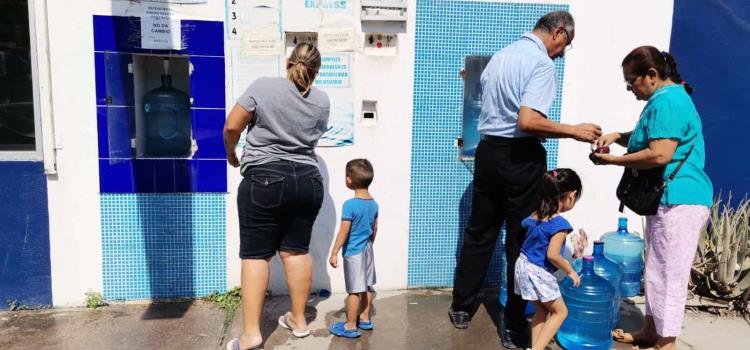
{"points": [[167, 116], [472, 109], [610, 271], [588, 325], [625, 249]]}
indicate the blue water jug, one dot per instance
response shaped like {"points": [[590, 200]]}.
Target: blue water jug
{"points": [[530, 310], [610, 271], [625, 249], [588, 325], [472, 109], [167, 119]]}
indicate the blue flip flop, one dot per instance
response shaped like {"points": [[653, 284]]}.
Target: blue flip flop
{"points": [[339, 330], [365, 325]]}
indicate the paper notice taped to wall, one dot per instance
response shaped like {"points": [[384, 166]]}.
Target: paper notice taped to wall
{"points": [[261, 41], [160, 27], [335, 79], [336, 39]]}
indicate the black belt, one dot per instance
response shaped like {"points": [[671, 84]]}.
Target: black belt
{"points": [[499, 140]]}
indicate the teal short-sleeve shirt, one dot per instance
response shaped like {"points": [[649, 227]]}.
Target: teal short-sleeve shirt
{"points": [[671, 114]]}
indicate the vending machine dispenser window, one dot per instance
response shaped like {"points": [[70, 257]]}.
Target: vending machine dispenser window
{"points": [[473, 68], [162, 113]]}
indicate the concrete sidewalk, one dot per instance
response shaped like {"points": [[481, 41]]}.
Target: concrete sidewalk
{"points": [[415, 319]]}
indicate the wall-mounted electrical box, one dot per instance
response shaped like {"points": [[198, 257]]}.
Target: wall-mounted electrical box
{"points": [[381, 44], [369, 113], [294, 38], [385, 16]]}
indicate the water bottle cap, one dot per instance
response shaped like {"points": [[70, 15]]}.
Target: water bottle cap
{"points": [[598, 242], [588, 258]]}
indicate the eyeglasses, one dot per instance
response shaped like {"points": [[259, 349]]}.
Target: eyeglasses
{"points": [[629, 82], [569, 46]]}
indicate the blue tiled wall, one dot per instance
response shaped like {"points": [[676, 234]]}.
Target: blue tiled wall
{"points": [[123, 34], [163, 219], [116, 39], [163, 245], [25, 274], [446, 32]]}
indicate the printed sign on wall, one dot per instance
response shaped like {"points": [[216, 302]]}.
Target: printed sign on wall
{"points": [[335, 79], [160, 28], [335, 71]]}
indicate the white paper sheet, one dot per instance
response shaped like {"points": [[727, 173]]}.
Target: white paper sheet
{"points": [[261, 41], [160, 27], [336, 39]]}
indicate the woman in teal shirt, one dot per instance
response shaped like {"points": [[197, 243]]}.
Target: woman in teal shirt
{"points": [[668, 131]]}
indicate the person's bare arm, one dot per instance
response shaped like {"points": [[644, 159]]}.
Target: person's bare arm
{"points": [[658, 153], [535, 123], [374, 230], [341, 237], [553, 254], [237, 121]]}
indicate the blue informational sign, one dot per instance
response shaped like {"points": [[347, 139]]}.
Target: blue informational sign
{"points": [[335, 79]]}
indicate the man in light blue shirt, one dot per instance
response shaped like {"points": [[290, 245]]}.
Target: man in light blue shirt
{"points": [[519, 85], [521, 74]]}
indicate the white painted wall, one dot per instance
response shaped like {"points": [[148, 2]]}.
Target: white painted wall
{"points": [[389, 81], [593, 91]]}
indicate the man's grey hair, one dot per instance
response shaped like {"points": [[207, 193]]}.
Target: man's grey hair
{"points": [[551, 21]]}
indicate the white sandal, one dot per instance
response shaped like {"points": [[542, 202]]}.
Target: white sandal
{"points": [[284, 322], [234, 344]]}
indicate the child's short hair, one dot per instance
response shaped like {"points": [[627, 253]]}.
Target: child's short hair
{"points": [[360, 171]]}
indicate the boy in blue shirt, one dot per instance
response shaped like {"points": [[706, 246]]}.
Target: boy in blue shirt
{"points": [[359, 224]]}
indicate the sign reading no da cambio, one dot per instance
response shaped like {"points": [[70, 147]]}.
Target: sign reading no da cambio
{"points": [[160, 28]]}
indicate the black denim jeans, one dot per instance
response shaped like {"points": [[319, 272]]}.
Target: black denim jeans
{"points": [[277, 204]]}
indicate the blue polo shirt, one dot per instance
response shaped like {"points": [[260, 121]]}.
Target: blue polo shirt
{"points": [[671, 114], [521, 74]]}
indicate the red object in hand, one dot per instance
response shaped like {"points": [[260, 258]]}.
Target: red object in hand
{"points": [[600, 150]]}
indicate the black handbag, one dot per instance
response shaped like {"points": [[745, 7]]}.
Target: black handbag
{"points": [[641, 190]]}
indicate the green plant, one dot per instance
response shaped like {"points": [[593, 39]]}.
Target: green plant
{"points": [[721, 269], [228, 300], [94, 300]]}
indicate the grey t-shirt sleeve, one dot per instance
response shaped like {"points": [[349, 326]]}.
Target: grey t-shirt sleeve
{"points": [[248, 99]]}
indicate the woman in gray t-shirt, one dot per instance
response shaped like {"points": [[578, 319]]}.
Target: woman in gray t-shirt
{"points": [[282, 190]]}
